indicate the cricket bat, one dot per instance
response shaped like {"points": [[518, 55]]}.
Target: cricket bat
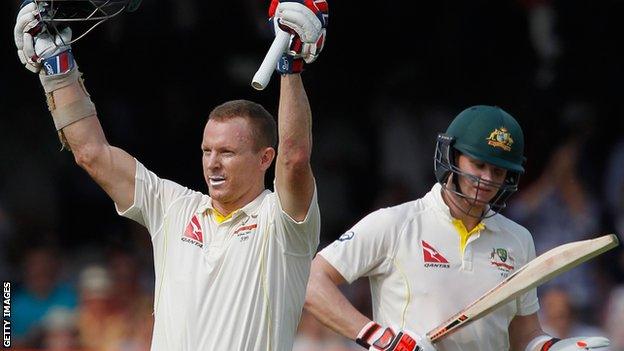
{"points": [[541, 269]]}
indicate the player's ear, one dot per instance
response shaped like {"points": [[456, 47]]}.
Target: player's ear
{"points": [[455, 156], [268, 154]]}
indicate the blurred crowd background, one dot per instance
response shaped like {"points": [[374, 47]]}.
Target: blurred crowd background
{"points": [[391, 76]]}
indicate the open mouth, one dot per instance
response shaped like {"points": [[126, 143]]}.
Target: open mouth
{"points": [[216, 180]]}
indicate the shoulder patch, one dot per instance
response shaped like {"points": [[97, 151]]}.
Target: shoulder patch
{"points": [[347, 236]]}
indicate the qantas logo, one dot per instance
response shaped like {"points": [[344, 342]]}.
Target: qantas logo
{"points": [[193, 233], [432, 258]]}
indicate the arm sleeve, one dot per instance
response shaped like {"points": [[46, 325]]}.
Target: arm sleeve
{"points": [[299, 238], [527, 302], [152, 197], [366, 249]]}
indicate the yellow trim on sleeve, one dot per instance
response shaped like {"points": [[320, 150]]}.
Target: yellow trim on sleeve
{"points": [[162, 268], [408, 293], [264, 277], [464, 234]]}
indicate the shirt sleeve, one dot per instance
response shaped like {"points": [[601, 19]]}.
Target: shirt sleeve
{"points": [[299, 238], [366, 249], [152, 197], [528, 302]]}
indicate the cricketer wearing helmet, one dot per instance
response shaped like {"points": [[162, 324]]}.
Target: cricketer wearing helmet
{"points": [[231, 267], [428, 258]]}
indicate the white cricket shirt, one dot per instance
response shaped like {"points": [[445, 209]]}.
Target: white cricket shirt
{"points": [[419, 276], [239, 285]]}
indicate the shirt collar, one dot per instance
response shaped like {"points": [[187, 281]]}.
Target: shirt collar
{"points": [[435, 198], [491, 223], [249, 209]]}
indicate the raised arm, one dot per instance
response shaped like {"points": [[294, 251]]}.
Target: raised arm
{"points": [[47, 53], [293, 174], [110, 167]]}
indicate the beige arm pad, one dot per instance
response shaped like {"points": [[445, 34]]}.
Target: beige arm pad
{"points": [[58, 81], [73, 112], [70, 113]]}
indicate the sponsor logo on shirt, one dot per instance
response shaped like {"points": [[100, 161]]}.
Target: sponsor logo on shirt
{"points": [[243, 232], [502, 260], [347, 236], [433, 258], [193, 233]]}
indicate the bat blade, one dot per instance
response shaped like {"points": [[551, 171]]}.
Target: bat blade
{"points": [[541, 269]]}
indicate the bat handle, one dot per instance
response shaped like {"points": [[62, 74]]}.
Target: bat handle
{"points": [[278, 47]]}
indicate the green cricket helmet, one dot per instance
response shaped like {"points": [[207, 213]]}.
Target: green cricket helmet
{"points": [[488, 134]]}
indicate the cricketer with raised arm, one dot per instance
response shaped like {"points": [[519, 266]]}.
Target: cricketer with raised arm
{"points": [[232, 265]]}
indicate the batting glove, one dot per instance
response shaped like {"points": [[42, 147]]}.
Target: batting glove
{"points": [[575, 344], [374, 338], [37, 47], [306, 21]]}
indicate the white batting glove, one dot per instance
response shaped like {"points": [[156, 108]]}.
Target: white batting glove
{"points": [[28, 22], [300, 19], [575, 344], [37, 47], [306, 21], [580, 343], [375, 338]]}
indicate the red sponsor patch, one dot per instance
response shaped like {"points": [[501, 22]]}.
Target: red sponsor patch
{"points": [[431, 255], [193, 231]]}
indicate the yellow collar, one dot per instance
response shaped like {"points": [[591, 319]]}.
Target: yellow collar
{"points": [[220, 218], [464, 234]]}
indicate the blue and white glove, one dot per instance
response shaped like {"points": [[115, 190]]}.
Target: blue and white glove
{"points": [[306, 21], [571, 344], [37, 47], [375, 338]]}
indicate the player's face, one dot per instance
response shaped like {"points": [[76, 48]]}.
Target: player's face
{"points": [[483, 187], [233, 166]]}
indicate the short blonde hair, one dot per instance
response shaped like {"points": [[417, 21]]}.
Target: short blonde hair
{"points": [[264, 128]]}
